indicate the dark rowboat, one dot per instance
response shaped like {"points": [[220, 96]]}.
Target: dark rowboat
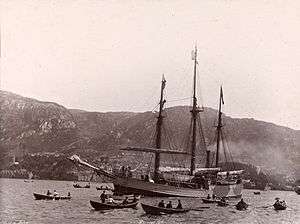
{"points": [[222, 203], [209, 201], [108, 206], [154, 210], [50, 197], [280, 206], [78, 186], [256, 192], [241, 206], [104, 188]]}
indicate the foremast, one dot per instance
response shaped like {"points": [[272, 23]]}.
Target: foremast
{"points": [[219, 126], [159, 129]]}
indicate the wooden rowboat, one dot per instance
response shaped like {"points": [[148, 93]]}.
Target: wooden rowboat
{"points": [[108, 206], [222, 203], [78, 186], [241, 206], [209, 201], [154, 210], [280, 206], [50, 197]]}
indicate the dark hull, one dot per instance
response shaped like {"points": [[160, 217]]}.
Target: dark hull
{"points": [[153, 210], [241, 207], [78, 186], [104, 189], [140, 187], [297, 189], [105, 206], [222, 203], [209, 201], [47, 197], [257, 192], [279, 206]]}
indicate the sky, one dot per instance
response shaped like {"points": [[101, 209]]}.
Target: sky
{"points": [[110, 55]]}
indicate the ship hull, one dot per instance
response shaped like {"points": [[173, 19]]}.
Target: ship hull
{"points": [[136, 186]]}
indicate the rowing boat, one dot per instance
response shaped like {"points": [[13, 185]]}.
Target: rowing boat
{"points": [[108, 206], [154, 210], [50, 197], [209, 201]]}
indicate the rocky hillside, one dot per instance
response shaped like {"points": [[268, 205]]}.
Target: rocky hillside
{"points": [[31, 126]]}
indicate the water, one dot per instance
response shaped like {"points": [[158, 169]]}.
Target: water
{"points": [[18, 206]]}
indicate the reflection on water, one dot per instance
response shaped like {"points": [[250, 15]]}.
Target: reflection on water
{"points": [[19, 206]]}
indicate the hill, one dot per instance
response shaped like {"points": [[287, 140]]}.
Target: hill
{"points": [[29, 126]]}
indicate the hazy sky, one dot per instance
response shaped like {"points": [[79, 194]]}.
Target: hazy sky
{"points": [[110, 55]]}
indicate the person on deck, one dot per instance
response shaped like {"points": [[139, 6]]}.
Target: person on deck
{"points": [[208, 196], [48, 193], [169, 205], [179, 206], [213, 196], [161, 204], [125, 201], [55, 194], [103, 197]]}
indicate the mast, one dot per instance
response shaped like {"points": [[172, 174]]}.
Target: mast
{"points": [[158, 129], [219, 126], [194, 112]]}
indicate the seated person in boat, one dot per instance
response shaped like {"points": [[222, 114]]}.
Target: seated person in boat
{"points": [[125, 201], [208, 196], [169, 205], [48, 193], [241, 202], [179, 205], [213, 197], [110, 200], [55, 194], [69, 194], [103, 197], [134, 198], [161, 204]]}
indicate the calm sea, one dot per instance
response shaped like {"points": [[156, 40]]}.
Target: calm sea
{"points": [[17, 205]]}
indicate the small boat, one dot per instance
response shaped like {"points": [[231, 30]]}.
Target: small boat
{"points": [[280, 205], [256, 192], [297, 189], [209, 201], [155, 210], [108, 206], [102, 188], [50, 197], [79, 186], [222, 203], [241, 206]]}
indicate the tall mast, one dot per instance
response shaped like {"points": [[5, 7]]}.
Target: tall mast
{"points": [[158, 129], [219, 126], [194, 112]]}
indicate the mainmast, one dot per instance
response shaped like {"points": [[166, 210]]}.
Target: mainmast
{"points": [[219, 126], [158, 129], [195, 110]]}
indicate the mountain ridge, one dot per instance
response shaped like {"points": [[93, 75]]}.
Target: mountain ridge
{"points": [[36, 126]]}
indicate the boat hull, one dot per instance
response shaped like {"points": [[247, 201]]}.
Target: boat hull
{"points": [[50, 197], [209, 201], [136, 186], [106, 206], [154, 210], [278, 206]]}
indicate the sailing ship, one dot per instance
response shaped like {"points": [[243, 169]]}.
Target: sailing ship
{"points": [[194, 182]]}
